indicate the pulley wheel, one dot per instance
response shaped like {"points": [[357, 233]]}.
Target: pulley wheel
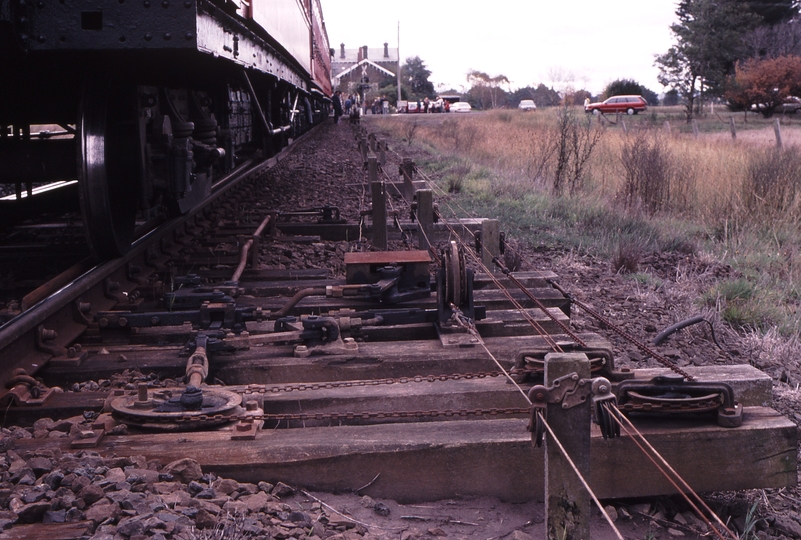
{"points": [[162, 409], [455, 276], [109, 166]]}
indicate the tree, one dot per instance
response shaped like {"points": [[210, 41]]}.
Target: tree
{"points": [[671, 98], [578, 97], [774, 11], [709, 40], [545, 97], [415, 74], [630, 86], [780, 39], [487, 90], [766, 82]]}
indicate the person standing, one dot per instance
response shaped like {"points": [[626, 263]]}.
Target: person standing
{"points": [[337, 106]]}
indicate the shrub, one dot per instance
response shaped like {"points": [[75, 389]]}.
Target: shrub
{"points": [[576, 139], [649, 172], [772, 181]]}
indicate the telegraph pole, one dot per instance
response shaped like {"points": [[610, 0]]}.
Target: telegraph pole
{"points": [[399, 65]]}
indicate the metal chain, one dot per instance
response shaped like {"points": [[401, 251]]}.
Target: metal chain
{"points": [[622, 333], [335, 416], [301, 387]]}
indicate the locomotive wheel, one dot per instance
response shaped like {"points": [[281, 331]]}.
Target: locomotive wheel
{"points": [[109, 166]]}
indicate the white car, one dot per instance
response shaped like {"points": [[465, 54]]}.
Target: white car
{"points": [[527, 105], [461, 106]]}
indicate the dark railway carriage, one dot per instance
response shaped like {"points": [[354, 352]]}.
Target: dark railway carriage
{"points": [[146, 102]]}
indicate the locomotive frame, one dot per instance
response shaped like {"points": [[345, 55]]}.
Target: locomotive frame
{"points": [[149, 101]]}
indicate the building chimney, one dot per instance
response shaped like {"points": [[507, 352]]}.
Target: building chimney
{"points": [[386, 50], [342, 50], [364, 48]]}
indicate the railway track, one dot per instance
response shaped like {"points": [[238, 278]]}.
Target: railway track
{"points": [[264, 322]]}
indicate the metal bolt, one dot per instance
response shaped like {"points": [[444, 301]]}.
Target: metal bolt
{"points": [[251, 405], [165, 4], [603, 389], [142, 395], [167, 36], [148, 36], [123, 322], [48, 335], [189, 36], [154, 321]]}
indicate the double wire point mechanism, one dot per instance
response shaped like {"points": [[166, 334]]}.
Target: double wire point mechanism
{"points": [[571, 391]]}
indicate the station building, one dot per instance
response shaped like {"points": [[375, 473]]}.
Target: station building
{"points": [[363, 66]]}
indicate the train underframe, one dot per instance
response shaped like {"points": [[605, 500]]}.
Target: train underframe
{"points": [[145, 135]]}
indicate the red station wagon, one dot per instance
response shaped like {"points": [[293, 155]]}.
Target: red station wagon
{"points": [[616, 104]]}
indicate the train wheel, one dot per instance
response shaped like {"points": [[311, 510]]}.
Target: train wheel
{"points": [[109, 166]]}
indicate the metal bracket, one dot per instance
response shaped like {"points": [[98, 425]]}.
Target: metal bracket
{"points": [[571, 391]]}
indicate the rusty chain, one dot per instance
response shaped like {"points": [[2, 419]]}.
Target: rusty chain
{"points": [[333, 416], [622, 333], [263, 389]]}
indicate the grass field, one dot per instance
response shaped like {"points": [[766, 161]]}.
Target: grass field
{"points": [[636, 184]]}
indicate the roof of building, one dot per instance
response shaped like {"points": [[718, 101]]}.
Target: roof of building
{"points": [[347, 69], [376, 54]]}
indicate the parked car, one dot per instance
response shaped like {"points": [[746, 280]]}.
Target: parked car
{"points": [[791, 105], [616, 104], [461, 106], [527, 105]]}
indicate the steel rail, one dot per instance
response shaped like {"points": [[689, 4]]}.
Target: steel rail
{"points": [[70, 291]]}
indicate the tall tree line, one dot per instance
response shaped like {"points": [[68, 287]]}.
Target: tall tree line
{"points": [[711, 36]]}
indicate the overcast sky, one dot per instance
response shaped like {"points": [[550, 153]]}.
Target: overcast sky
{"points": [[529, 41]]}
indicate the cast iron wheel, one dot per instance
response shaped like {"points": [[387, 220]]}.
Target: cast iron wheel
{"points": [[108, 166]]}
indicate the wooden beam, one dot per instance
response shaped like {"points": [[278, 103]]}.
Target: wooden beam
{"points": [[437, 460]]}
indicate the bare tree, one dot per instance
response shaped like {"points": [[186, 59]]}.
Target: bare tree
{"points": [[486, 87], [576, 140]]}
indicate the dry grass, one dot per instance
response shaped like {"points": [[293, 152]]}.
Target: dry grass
{"points": [[643, 188]]}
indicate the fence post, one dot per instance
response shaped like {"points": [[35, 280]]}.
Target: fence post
{"points": [[567, 503], [625, 129], [379, 195], [732, 128], [695, 128], [667, 127], [490, 242], [778, 129], [382, 156], [425, 217], [407, 170]]}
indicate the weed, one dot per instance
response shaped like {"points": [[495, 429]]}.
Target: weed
{"points": [[627, 258], [411, 129], [749, 529], [227, 528], [773, 182], [737, 289], [649, 172]]}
